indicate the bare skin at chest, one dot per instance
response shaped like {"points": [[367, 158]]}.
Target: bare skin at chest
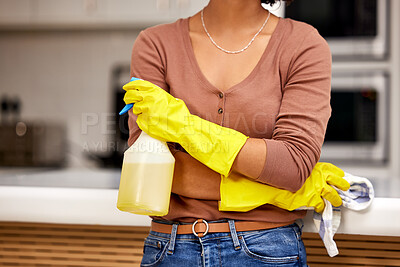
{"points": [[226, 70]]}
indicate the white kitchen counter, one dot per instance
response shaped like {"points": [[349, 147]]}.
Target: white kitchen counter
{"points": [[90, 196]]}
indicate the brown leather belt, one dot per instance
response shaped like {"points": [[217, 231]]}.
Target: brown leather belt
{"points": [[201, 227]]}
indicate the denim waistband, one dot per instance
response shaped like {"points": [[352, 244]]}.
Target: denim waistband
{"points": [[173, 236]]}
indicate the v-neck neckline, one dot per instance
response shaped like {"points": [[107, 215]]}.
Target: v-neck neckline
{"points": [[199, 73]]}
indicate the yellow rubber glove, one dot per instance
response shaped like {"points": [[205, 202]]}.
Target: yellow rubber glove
{"points": [[167, 118], [241, 194]]}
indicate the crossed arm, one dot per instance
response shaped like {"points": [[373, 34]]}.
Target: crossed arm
{"points": [[195, 180]]}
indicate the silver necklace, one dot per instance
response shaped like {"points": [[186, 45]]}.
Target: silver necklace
{"points": [[227, 51]]}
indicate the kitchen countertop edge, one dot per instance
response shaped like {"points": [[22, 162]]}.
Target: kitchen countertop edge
{"points": [[98, 207]]}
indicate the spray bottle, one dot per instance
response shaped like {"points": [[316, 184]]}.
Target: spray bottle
{"points": [[146, 177]]}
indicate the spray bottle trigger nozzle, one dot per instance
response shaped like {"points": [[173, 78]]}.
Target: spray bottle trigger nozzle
{"points": [[126, 109]]}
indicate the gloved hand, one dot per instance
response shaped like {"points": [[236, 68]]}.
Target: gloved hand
{"points": [[241, 194], [167, 118]]}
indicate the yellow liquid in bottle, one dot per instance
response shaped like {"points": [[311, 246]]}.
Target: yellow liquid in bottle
{"points": [[145, 188]]}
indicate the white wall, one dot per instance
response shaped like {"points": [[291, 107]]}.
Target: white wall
{"points": [[65, 76]]}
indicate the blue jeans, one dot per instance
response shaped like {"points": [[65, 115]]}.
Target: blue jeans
{"points": [[281, 246]]}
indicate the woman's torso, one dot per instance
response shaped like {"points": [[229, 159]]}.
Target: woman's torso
{"points": [[248, 103]]}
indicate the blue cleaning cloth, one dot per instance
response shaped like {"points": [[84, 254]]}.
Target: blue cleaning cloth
{"points": [[128, 106]]}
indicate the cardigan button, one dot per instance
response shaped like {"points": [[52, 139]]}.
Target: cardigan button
{"points": [[221, 95], [220, 111]]}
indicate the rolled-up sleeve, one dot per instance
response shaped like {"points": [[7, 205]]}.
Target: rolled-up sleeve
{"points": [[300, 125]]}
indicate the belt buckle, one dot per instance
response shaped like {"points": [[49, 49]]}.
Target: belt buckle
{"points": [[200, 221]]}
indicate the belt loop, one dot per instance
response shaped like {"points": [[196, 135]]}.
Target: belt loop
{"points": [[235, 239], [300, 224], [171, 245]]}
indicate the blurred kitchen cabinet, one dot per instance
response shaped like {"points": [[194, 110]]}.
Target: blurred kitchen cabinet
{"points": [[15, 12], [149, 11], [135, 12], [53, 14], [57, 13], [188, 8], [99, 13]]}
